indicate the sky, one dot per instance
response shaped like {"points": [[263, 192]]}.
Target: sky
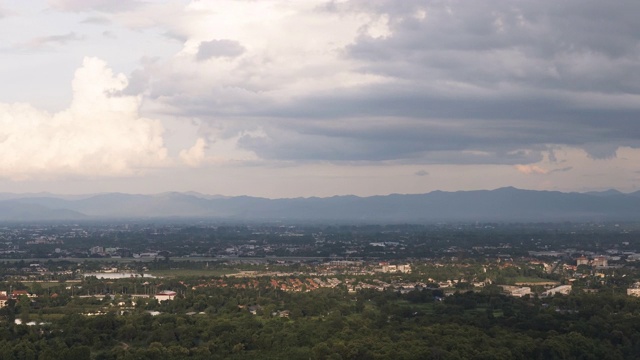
{"points": [[300, 98]]}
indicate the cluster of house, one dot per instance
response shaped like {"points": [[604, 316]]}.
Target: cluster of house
{"points": [[15, 294], [388, 268], [284, 284], [116, 252], [520, 291], [160, 295]]}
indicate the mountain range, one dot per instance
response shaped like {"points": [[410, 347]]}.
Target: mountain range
{"points": [[504, 205]]}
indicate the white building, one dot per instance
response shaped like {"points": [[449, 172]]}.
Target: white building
{"points": [[165, 295], [562, 289], [633, 292], [516, 291], [386, 268]]}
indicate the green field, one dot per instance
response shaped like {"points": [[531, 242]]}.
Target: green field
{"points": [[175, 273]]}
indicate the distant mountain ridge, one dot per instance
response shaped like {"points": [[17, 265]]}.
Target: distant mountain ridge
{"points": [[505, 204]]}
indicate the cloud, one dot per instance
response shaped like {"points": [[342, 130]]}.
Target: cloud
{"points": [[4, 12], [601, 151], [422, 82], [109, 34], [537, 170], [421, 173], [100, 134], [96, 20], [196, 154], [564, 169], [94, 5], [53, 39], [219, 48], [531, 170]]}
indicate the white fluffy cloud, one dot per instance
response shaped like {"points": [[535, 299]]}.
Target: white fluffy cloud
{"points": [[448, 86], [196, 154], [259, 55], [100, 134]]}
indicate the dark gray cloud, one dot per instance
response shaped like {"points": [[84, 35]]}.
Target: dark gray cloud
{"points": [[219, 48], [139, 80], [564, 169], [498, 82], [543, 44], [364, 140]]}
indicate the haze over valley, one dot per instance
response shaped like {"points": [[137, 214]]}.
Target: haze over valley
{"points": [[502, 205]]}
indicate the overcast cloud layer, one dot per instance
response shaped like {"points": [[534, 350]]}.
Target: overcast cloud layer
{"points": [[300, 98]]}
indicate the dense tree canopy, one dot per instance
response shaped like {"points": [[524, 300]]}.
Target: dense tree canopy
{"points": [[215, 323]]}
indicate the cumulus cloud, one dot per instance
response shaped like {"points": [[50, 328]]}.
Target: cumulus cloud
{"points": [[100, 134], [491, 82], [196, 154], [288, 49]]}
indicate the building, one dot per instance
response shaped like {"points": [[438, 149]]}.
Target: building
{"points": [[165, 295], [386, 268], [562, 289], [96, 250], [633, 292], [516, 291], [582, 260], [599, 261], [17, 293]]}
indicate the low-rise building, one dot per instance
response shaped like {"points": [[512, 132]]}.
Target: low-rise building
{"points": [[165, 295], [599, 261], [562, 289], [17, 293], [405, 269], [516, 291], [634, 290], [582, 260]]}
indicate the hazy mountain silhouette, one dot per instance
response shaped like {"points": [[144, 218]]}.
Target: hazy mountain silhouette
{"points": [[505, 204], [16, 211]]}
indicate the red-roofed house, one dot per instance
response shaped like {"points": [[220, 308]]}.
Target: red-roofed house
{"points": [[18, 293]]}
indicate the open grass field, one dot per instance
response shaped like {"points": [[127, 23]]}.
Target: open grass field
{"points": [[42, 284], [176, 273]]}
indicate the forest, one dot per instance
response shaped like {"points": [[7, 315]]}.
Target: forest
{"points": [[258, 323]]}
